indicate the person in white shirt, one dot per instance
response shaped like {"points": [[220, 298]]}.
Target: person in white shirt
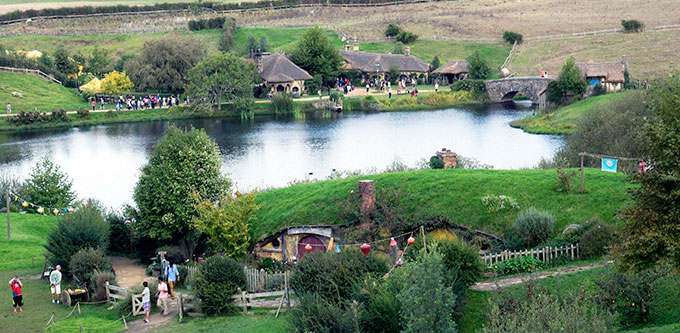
{"points": [[55, 283], [146, 300]]}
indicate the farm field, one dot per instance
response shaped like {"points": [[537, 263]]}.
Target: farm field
{"points": [[12, 5], [37, 94]]}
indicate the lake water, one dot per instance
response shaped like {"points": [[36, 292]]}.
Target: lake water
{"points": [[104, 161]]}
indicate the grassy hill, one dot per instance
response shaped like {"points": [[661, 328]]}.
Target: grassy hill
{"points": [[454, 193], [37, 93]]}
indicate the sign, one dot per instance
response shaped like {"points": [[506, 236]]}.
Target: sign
{"points": [[609, 164]]}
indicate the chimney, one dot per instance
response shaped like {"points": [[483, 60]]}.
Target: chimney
{"points": [[448, 157], [356, 46], [407, 50], [624, 62], [347, 46], [367, 206]]}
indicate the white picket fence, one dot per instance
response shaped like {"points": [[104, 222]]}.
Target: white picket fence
{"points": [[546, 254]]}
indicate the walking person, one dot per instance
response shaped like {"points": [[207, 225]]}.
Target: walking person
{"points": [[93, 105], [9, 108], [17, 298], [146, 300], [101, 103], [55, 283], [436, 87], [389, 93], [367, 87], [162, 295], [172, 274]]}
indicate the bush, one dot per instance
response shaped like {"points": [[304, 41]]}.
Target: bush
{"points": [[211, 23], [534, 226], [522, 265], [406, 37], [512, 37], [47, 185], [84, 262], [269, 265], [497, 203], [379, 309], [317, 314], [98, 285], [595, 240], [282, 103], [85, 228], [569, 83], [477, 87], [83, 113], [564, 178], [174, 254], [632, 26], [598, 89], [478, 67], [436, 163], [332, 275], [119, 234], [392, 30], [216, 279]]}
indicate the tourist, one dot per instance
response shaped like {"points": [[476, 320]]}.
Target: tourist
{"points": [[146, 300], [17, 299], [9, 108], [320, 94], [367, 87], [416, 91], [93, 105], [436, 86], [389, 92], [162, 295], [55, 283], [101, 103], [172, 274]]}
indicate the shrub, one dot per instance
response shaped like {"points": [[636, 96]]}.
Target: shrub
{"points": [[392, 30], [397, 49], [60, 116], [534, 226], [595, 240], [379, 309], [84, 262], [98, 285], [478, 87], [119, 235], [436, 163], [497, 203], [269, 265], [332, 275], [216, 279], [564, 178], [317, 314], [632, 26], [522, 265], [478, 67], [598, 89], [406, 37], [85, 228], [174, 254], [568, 83], [512, 37], [83, 113], [282, 103]]}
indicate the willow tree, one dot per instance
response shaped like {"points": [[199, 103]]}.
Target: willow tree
{"points": [[223, 77]]}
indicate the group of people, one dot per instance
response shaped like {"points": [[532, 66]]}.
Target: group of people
{"points": [[17, 286], [139, 103], [165, 290]]}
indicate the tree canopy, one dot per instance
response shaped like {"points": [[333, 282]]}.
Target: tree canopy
{"points": [[98, 60], [164, 63], [569, 82], [316, 55], [228, 32], [478, 67], [182, 163], [116, 82], [48, 186], [223, 77]]}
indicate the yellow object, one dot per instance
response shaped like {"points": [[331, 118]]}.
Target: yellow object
{"points": [[24, 204], [330, 245], [35, 54], [70, 209], [94, 86], [40, 210], [55, 211], [442, 233]]}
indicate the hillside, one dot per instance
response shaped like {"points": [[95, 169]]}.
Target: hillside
{"points": [[36, 93], [453, 193]]}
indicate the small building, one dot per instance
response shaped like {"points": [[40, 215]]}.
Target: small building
{"points": [[372, 65], [452, 71], [279, 73], [610, 74], [290, 243]]}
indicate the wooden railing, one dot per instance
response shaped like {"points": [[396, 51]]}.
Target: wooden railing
{"points": [[260, 280], [115, 293], [27, 71], [546, 254]]}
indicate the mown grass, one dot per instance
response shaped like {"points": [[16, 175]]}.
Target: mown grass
{"points": [[258, 323], [565, 119], [455, 193], [37, 94], [29, 232]]}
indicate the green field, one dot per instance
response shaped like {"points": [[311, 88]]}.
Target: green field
{"points": [[37, 94], [453, 193], [258, 323], [565, 119]]}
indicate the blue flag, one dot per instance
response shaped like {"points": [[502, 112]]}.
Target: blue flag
{"points": [[609, 164]]}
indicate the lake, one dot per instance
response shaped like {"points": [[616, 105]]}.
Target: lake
{"points": [[104, 161]]}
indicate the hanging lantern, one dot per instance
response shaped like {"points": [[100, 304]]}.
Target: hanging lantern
{"points": [[16, 198], [84, 203], [308, 248], [55, 211], [386, 276], [411, 240], [70, 209], [40, 210], [365, 248], [24, 204], [393, 242]]}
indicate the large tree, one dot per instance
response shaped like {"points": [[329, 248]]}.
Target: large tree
{"points": [[48, 186], [478, 67], [652, 230], [223, 77], [570, 82], [182, 163], [316, 55], [228, 33], [164, 63], [98, 60]]}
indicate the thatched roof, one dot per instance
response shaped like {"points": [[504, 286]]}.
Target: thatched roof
{"points": [[612, 71], [278, 68], [366, 62], [453, 67]]}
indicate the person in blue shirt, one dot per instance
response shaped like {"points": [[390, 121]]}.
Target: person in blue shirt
{"points": [[172, 274]]}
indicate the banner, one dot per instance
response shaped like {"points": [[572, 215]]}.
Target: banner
{"points": [[609, 164]]}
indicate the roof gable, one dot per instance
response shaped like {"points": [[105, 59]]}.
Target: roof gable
{"points": [[278, 68], [382, 62], [453, 67], [613, 71]]}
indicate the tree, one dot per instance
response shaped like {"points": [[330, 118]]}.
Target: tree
{"points": [[478, 67], [98, 60], [165, 62], [569, 82], [392, 30], [632, 26], [226, 221], [512, 37], [181, 163], [63, 62], [116, 82], [398, 48], [316, 55], [228, 32], [121, 62], [48, 186], [406, 37], [652, 230], [223, 76], [435, 63]]}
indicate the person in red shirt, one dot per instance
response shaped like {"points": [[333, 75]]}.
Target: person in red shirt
{"points": [[17, 300], [93, 105]]}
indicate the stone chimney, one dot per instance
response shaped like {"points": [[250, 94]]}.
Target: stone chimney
{"points": [[355, 47], [347, 46], [624, 62], [449, 158], [367, 205], [407, 50]]}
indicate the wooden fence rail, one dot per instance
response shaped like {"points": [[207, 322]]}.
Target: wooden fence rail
{"points": [[546, 254], [27, 71], [256, 280]]}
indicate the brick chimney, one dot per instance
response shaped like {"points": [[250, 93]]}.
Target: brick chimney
{"points": [[449, 158], [355, 47], [407, 50], [347, 46]]}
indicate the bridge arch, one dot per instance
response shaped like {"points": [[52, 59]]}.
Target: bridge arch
{"points": [[504, 90]]}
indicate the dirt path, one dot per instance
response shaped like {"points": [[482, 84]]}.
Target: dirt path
{"points": [[129, 274], [513, 280], [156, 320]]}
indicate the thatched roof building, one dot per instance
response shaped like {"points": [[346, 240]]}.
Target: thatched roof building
{"points": [[279, 73], [610, 74], [452, 71], [370, 63]]}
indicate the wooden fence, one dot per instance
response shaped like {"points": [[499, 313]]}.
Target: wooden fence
{"points": [[546, 254], [261, 281], [27, 71]]}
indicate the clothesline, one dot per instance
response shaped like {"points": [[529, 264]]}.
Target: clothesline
{"points": [[609, 156]]}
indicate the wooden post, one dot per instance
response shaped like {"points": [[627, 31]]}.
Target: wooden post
{"points": [[287, 290], [582, 154], [125, 323], [7, 214], [179, 306], [422, 233], [243, 301], [78, 305]]}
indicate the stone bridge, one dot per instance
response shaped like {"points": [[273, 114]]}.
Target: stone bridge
{"points": [[504, 90]]}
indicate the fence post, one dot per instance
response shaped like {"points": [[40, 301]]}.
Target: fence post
{"points": [[582, 154], [179, 306], [578, 254], [7, 214]]}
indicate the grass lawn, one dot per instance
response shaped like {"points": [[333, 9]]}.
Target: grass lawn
{"points": [[37, 93], [28, 233], [454, 193], [564, 120], [258, 323]]}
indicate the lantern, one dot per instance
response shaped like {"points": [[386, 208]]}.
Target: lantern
{"points": [[411, 240], [24, 204], [365, 248], [393, 242], [55, 212], [399, 262], [70, 209], [40, 210], [308, 248]]}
